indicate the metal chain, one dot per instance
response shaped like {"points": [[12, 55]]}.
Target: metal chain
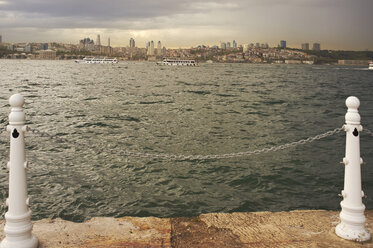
{"points": [[368, 131], [174, 157]]}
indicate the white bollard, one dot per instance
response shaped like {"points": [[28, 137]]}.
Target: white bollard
{"points": [[18, 225], [352, 226]]}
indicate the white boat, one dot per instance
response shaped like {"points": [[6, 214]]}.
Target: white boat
{"points": [[181, 62], [94, 60], [370, 66]]}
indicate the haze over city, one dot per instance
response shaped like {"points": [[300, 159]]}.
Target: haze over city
{"points": [[336, 24]]}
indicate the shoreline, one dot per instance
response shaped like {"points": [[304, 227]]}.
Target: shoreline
{"points": [[298, 228]]}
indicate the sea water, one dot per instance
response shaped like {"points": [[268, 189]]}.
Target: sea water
{"points": [[210, 109]]}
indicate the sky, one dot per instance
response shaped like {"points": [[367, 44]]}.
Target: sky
{"points": [[335, 24]]}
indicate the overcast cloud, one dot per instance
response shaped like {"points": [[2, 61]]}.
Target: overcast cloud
{"points": [[336, 24]]}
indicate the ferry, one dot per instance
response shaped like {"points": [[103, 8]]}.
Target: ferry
{"points": [[94, 60], [370, 66], [181, 62]]}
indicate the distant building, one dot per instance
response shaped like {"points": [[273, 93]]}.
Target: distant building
{"points": [[228, 45], [283, 44], [28, 48], [316, 47], [47, 54], [151, 48], [44, 46], [1, 39], [223, 45], [98, 40], [246, 48], [132, 43], [257, 45], [86, 44], [234, 44], [11, 47], [108, 42], [159, 48], [305, 46]]}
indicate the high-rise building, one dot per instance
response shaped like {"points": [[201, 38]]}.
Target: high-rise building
{"points": [[151, 53], [283, 44], [223, 45], [132, 43], [1, 39], [159, 48], [108, 41], [316, 47], [234, 44], [305, 46], [228, 45], [98, 40]]}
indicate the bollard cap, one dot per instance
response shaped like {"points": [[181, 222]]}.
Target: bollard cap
{"points": [[352, 116], [352, 102], [16, 101], [16, 116]]}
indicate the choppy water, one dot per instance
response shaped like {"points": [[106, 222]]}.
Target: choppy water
{"points": [[212, 109]]}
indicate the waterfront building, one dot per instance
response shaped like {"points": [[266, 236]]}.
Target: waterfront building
{"points": [[47, 54], [283, 43], [316, 47], [44, 46], [159, 48], [234, 44], [11, 47], [98, 40], [132, 43], [305, 46], [28, 48]]}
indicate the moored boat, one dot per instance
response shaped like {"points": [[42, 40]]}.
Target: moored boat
{"points": [[178, 62], [370, 66], [94, 60]]}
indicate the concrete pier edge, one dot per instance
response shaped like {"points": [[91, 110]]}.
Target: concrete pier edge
{"points": [[299, 228]]}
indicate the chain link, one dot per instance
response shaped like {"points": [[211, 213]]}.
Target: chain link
{"points": [[173, 157], [368, 131]]}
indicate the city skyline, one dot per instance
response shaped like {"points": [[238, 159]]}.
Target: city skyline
{"points": [[336, 24]]}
